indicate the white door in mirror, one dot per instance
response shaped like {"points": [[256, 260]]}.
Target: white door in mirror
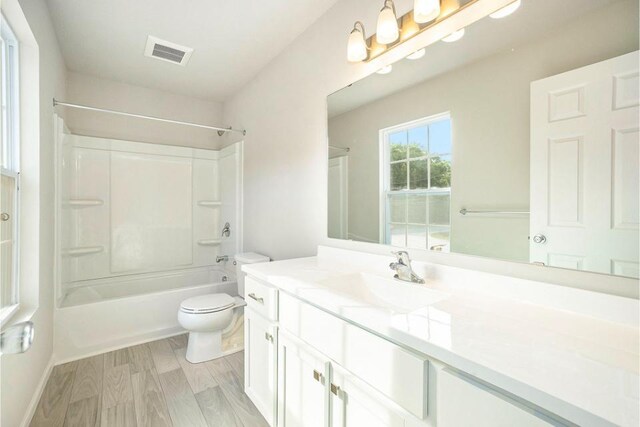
{"points": [[584, 168]]}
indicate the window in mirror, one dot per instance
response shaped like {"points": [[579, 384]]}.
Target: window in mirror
{"points": [[416, 172]]}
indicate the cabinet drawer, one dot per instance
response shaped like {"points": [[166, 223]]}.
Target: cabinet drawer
{"points": [[261, 297], [463, 401], [400, 375]]}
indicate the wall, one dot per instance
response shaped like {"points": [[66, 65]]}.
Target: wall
{"points": [[96, 92], [491, 132], [23, 375], [284, 111]]}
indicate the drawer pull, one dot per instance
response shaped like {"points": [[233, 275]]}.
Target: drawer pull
{"points": [[318, 376], [258, 299], [335, 389], [268, 336]]}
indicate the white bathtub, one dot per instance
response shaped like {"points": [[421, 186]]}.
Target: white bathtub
{"points": [[112, 313]]}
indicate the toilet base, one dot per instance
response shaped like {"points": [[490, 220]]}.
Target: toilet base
{"points": [[204, 346]]}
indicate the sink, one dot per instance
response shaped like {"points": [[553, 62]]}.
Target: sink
{"points": [[383, 293]]}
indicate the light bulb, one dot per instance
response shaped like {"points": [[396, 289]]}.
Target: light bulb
{"points": [[385, 70], [417, 54], [425, 10], [387, 29], [454, 37], [357, 45], [507, 10]]}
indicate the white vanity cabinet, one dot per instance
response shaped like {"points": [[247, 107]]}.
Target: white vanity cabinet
{"points": [[261, 347], [302, 381], [462, 401], [354, 403], [314, 391], [306, 367]]}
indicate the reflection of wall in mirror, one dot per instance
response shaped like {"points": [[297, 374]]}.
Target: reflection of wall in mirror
{"points": [[490, 150]]}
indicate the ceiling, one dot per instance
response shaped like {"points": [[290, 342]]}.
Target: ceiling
{"points": [[534, 20], [232, 39]]}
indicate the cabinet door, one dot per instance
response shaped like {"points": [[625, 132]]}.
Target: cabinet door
{"points": [[465, 402], [302, 392], [356, 404], [260, 380]]}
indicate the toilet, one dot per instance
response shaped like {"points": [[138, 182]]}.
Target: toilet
{"points": [[207, 316]]}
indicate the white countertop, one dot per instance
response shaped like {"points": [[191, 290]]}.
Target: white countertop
{"points": [[582, 368]]}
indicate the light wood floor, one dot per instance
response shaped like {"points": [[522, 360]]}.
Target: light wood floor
{"points": [[147, 385]]}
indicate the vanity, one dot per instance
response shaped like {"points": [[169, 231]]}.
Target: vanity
{"points": [[508, 153], [334, 340]]}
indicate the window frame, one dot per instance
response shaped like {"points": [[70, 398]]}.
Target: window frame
{"points": [[385, 178], [10, 147]]}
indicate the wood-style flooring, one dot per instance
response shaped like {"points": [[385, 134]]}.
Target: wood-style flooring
{"points": [[147, 385]]}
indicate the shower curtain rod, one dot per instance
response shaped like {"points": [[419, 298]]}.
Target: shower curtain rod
{"points": [[220, 130]]}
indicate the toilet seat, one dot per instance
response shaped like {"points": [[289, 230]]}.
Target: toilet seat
{"points": [[204, 304]]}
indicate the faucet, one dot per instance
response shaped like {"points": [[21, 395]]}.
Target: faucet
{"points": [[220, 258], [403, 269], [226, 230]]}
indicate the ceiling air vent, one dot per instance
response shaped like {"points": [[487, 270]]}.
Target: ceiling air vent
{"points": [[167, 51]]}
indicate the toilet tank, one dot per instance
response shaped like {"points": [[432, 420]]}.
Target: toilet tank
{"points": [[246, 258]]}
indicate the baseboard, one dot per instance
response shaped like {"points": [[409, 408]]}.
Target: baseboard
{"points": [[33, 405], [142, 339]]}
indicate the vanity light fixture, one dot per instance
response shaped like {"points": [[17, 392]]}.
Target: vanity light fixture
{"points": [[507, 10], [385, 70], [425, 10], [387, 30], [357, 49], [454, 37], [417, 54]]}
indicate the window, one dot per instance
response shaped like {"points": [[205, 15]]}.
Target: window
{"points": [[416, 184], [9, 183]]}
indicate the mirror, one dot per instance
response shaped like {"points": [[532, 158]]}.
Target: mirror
{"points": [[519, 142]]}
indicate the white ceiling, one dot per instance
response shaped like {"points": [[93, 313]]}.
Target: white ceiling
{"points": [[232, 39]]}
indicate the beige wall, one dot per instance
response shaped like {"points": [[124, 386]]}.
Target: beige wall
{"points": [[23, 374], [92, 91], [489, 105]]}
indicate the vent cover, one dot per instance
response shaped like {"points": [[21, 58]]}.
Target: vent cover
{"points": [[167, 51]]}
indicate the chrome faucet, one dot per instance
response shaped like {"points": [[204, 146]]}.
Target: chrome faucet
{"points": [[221, 258], [226, 230], [403, 269]]}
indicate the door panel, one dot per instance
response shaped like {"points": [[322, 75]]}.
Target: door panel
{"points": [[584, 168], [260, 363], [302, 385], [355, 404]]}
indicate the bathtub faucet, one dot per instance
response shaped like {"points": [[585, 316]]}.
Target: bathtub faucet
{"points": [[224, 258]]}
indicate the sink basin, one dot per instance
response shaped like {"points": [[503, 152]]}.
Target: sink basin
{"points": [[382, 292]]}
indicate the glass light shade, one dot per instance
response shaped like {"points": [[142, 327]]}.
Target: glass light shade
{"points": [[357, 46], [417, 54], [385, 70], [387, 30], [454, 37], [425, 10], [507, 10]]}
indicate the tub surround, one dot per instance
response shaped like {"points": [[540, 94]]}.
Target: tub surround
{"points": [[570, 352]]}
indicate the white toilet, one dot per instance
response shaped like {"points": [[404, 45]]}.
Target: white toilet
{"points": [[206, 316]]}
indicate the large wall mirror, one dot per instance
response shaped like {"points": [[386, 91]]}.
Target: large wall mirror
{"points": [[517, 141]]}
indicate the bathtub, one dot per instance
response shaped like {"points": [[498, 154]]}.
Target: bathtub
{"points": [[107, 314]]}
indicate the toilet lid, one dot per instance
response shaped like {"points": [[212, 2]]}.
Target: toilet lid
{"points": [[207, 303]]}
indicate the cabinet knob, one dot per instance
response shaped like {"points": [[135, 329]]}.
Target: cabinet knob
{"points": [[4, 216], [318, 376], [268, 336], [335, 389]]}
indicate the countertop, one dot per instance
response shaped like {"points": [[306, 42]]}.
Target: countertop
{"points": [[582, 368]]}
